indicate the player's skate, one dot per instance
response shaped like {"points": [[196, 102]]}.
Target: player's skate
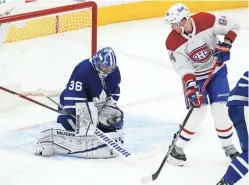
{"points": [[222, 182], [177, 156], [230, 151]]}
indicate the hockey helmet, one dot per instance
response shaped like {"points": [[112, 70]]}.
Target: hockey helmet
{"points": [[176, 13]]}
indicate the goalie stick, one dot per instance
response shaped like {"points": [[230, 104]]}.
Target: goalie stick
{"points": [[154, 176], [98, 133]]}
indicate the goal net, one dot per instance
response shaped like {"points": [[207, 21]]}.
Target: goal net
{"points": [[39, 49]]}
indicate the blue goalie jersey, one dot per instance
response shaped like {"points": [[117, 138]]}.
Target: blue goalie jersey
{"points": [[86, 85], [239, 95]]}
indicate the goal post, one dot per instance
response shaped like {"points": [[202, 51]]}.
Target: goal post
{"points": [[41, 48]]}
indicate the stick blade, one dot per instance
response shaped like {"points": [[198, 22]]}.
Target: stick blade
{"points": [[147, 179]]}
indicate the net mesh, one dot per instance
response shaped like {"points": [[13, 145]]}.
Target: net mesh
{"points": [[49, 25], [39, 54]]}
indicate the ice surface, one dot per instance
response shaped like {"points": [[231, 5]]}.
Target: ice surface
{"points": [[151, 97]]}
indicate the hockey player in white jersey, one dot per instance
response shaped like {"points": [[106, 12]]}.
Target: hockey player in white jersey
{"points": [[192, 45], [90, 98], [238, 113]]}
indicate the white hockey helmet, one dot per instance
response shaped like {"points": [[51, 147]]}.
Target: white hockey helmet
{"points": [[176, 13]]}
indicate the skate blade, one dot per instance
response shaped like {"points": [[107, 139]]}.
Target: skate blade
{"points": [[175, 162]]}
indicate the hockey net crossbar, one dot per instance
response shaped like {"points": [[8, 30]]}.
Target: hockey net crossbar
{"points": [[42, 47]]}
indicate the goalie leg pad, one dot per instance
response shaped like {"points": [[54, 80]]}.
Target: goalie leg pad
{"points": [[86, 118], [56, 141]]}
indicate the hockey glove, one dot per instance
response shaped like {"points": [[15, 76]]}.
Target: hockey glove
{"points": [[192, 92], [194, 96], [222, 52]]}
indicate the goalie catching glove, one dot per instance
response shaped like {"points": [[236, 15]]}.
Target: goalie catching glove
{"points": [[110, 117]]}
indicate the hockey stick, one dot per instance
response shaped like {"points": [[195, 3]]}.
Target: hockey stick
{"points": [[31, 100], [154, 176], [98, 133]]}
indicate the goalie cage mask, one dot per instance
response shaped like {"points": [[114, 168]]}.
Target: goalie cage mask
{"points": [[105, 61]]}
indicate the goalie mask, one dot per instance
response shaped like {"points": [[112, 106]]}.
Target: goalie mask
{"points": [[105, 61]]}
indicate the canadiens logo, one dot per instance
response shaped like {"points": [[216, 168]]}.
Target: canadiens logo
{"points": [[201, 54]]}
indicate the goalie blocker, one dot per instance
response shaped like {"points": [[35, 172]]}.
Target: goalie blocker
{"points": [[82, 142]]}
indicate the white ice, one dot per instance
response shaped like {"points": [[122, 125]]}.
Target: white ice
{"points": [[150, 89]]}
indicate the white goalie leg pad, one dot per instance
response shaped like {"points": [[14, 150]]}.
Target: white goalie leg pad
{"points": [[223, 124], [44, 144], [56, 141], [86, 118]]}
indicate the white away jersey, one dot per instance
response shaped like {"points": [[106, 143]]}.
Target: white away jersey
{"points": [[194, 53]]}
